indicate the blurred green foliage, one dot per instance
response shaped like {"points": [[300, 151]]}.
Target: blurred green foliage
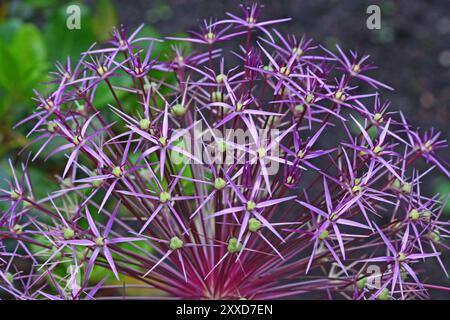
{"points": [[33, 36]]}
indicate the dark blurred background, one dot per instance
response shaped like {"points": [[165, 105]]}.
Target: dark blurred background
{"points": [[412, 49]]}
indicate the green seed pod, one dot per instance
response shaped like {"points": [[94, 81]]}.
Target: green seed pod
{"points": [[117, 172], [234, 246], [10, 277], [397, 225], [384, 295], [268, 68], [179, 110], [216, 96], [99, 241], [339, 95], [162, 141], [377, 149], [334, 216], [297, 51], [175, 243], [67, 183], [299, 108], [285, 71], [251, 205], [310, 98], [356, 68], [102, 70], [426, 215], [414, 214], [219, 183], [361, 283], [27, 204], [406, 188], [261, 152], [144, 124], [378, 117], [221, 78], [49, 104], [435, 236], [15, 195], [324, 234], [396, 184], [68, 233], [77, 140], [301, 154], [17, 229], [164, 197], [290, 180], [51, 126], [81, 107], [254, 225], [210, 36]]}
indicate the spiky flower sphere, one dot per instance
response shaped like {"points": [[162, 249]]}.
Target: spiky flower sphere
{"points": [[275, 171]]}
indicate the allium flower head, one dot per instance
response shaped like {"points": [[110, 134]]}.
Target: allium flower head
{"points": [[261, 173]]}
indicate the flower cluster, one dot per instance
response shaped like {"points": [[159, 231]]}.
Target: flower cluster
{"points": [[272, 171]]}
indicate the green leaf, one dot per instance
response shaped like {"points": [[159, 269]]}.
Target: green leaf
{"points": [[65, 42], [29, 52], [22, 63], [9, 28], [443, 187], [7, 69]]}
